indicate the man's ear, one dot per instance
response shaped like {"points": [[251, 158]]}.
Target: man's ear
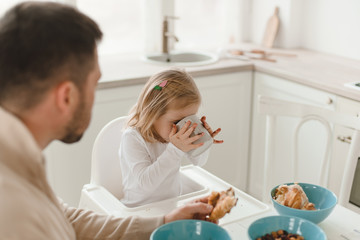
{"points": [[67, 97]]}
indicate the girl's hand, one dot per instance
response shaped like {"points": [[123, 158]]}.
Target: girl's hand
{"points": [[182, 139], [212, 133]]}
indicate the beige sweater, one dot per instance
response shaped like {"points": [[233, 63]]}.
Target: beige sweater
{"points": [[29, 208]]}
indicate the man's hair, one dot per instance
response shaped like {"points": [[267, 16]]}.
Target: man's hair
{"points": [[180, 89], [40, 45]]}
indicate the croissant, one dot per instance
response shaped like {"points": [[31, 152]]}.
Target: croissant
{"points": [[222, 202], [293, 196]]}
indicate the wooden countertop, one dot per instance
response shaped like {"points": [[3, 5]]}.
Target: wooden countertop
{"points": [[325, 72], [318, 70]]}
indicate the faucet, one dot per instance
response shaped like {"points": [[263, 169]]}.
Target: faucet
{"points": [[166, 35]]}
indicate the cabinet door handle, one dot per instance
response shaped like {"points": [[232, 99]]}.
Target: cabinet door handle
{"points": [[344, 139], [329, 101]]}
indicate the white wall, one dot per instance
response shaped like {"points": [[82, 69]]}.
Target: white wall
{"points": [[329, 26], [332, 26]]}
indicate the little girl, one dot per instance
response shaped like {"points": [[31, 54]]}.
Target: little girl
{"points": [[151, 148]]}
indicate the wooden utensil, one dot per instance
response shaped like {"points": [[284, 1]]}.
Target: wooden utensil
{"points": [[265, 53], [250, 55], [271, 29]]}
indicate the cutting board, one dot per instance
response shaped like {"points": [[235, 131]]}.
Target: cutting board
{"points": [[271, 29]]}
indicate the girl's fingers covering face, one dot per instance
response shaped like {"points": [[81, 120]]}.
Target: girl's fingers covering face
{"points": [[190, 130], [194, 146], [173, 131], [184, 128], [196, 137]]}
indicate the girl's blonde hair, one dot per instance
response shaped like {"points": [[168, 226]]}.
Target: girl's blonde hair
{"points": [[153, 103]]}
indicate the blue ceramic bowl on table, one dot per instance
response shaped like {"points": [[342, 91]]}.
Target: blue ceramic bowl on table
{"points": [[294, 225], [190, 229], [324, 200]]}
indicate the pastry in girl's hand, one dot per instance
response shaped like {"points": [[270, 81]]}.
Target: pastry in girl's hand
{"points": [[293, 196], [222, 202]]}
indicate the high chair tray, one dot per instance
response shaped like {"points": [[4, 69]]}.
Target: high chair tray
{"points": [[246, 206], [99, 199]]}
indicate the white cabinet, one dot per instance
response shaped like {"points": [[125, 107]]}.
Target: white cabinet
{"points": [[226, 103], [312, 139], [341, 143]]}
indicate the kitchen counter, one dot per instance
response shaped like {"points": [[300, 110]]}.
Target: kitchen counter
{"points": [[325, 72], [125, 70], [318, 70]]}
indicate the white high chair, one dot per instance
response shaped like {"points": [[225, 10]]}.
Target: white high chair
{"points": [[104, 191], [106, 176], [274, 108], [106, 173]]}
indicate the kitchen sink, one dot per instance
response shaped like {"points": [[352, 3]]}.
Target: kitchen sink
{"points": [[182, 58]]}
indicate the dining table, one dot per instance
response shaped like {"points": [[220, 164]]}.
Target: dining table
{"points": [[341, 224]]}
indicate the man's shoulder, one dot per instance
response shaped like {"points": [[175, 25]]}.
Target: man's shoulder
{"points": [[16, 192], [25, 208]]}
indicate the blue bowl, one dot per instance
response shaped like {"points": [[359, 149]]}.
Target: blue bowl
{"points": [[190, 229], [324, 201], [303, 227]]}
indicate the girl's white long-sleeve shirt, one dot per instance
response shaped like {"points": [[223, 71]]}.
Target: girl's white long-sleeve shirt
{"points": [[150, 171]]}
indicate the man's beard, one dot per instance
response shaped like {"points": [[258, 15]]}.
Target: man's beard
{"points": [[80, 118], [71, 137]]}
